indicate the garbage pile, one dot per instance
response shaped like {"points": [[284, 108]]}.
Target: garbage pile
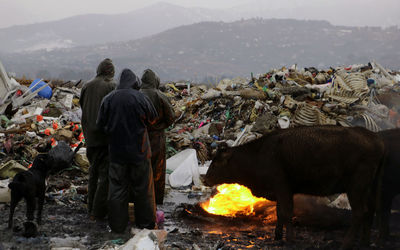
{"points": [[237, 111], [38, 119], [233, 111]]}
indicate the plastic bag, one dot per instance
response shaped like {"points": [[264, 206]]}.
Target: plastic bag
{"points": [[61, 157], [185, 169]]}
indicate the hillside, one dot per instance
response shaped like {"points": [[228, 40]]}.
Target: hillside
{"points": [[212, 49], [99, 28], [93, 29]]}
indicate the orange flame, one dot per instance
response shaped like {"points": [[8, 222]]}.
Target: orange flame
{"points": [[232, 200]]}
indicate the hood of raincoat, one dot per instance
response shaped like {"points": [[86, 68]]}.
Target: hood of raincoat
{"points": [[128, 80], [106, 68], [150, 80]]}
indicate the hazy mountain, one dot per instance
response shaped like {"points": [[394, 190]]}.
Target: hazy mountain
{"points": [[97, 28], [212, 49], [338, 12]]}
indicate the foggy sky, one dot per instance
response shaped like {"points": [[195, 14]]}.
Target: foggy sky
{"points": [[15, 12]]}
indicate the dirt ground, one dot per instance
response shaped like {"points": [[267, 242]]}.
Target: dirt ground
{"points": [[66, 224]]}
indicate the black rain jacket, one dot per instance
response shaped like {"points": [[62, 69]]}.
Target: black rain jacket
{"points": [[123, 116]]}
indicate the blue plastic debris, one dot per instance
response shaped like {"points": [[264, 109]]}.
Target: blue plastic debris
{"points": [[45, 93]]}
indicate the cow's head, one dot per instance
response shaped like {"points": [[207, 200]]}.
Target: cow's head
{"points": [[219, 171]]}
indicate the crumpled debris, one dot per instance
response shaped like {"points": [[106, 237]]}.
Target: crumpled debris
{"points": [[234, 111], [357, 95]]}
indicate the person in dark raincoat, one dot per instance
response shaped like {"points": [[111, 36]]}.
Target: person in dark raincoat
{"points": [[92, 94], [124, 115], [166, 116]]}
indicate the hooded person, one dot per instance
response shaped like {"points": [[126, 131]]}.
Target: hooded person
{"points": [[92, 94], [124, 115], [166, 116]]}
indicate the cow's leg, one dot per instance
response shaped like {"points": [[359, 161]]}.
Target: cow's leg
{"points": [[358, 213], [384, 216], [15, 198], [279, 221], [284, 211], [369, 209]]}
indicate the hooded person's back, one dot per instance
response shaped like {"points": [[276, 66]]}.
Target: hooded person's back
{"points": [[123, 116], [165, 118], [166, 114], [92, 94]]}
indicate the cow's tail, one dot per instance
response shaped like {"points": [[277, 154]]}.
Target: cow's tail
{"points": [[378, 185]]}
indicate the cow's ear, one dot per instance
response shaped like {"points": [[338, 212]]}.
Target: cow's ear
{"points": [[222, 147]]}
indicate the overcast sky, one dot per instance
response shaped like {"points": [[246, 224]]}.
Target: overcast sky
{"points": [[13, 12]]}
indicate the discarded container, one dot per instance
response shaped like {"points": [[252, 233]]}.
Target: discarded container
{"points": [[38, 83]]}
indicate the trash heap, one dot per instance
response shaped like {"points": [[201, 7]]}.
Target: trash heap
{"points": [[37, 114], [36, 119], [237, 111]]}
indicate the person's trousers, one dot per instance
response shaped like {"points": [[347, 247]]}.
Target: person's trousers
{"points": [[98, 180], [158, 163], [126, 180]]}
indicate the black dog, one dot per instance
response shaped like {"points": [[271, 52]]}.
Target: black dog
{"points": [[30, 185]]}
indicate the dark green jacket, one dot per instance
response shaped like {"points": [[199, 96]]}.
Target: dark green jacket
{"points": [[166, 114], [92, 94]]}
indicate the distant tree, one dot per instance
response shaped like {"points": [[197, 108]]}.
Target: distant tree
{"points": [[43, 73], [69, 74]]}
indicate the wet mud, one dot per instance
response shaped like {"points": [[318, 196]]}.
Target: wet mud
{"points": [[66, 223]]}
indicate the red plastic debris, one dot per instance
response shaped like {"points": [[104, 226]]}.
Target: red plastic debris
{"points": [[47, 131]]}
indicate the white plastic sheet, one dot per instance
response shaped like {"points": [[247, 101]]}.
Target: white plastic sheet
{"points": [[185, 169], [5, 192]]}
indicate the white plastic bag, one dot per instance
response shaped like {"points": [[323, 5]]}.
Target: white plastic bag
{"points": [[185, 169], [284, 122]]}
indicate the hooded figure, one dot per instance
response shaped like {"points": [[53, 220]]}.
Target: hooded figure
{"points": [[123, 116], [92, 94], [166, 116]]}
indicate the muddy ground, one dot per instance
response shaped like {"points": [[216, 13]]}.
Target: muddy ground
{"points": [[65, 223]]}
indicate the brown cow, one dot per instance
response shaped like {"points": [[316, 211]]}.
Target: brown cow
{"points": [[320, 160]]}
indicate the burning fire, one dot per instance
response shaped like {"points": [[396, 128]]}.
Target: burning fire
{"points": [[232, 200]]}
